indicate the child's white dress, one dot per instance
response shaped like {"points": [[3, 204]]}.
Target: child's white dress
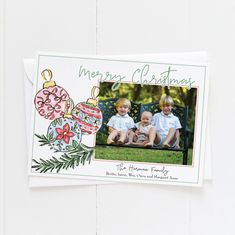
{"points": [[144, 132]]}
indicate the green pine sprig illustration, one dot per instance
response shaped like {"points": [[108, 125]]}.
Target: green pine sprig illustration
{"points": [[71, 159], [43, 140], [76, 154]]}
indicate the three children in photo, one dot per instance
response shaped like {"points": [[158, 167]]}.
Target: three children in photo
{"points": [[160, 129]]}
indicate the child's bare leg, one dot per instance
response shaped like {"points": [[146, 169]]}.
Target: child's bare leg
{"points": [[177, 137], [170, 138], [175, 140], [131, 137], [113, 134], [153, 136], [135, 138], [123, 135]]}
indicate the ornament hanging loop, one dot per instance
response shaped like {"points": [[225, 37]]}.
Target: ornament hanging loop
{"points": [[68, 108], [47, 76], [94, 95], [95, 92], [45, 73]]}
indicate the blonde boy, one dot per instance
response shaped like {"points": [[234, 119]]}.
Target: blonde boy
{"points": [[166, 126], [121, 123]]}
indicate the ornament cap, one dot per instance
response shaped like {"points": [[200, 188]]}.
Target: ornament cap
{"points": [[94, 94], [49, 84], [67, 115], [92, 101], [47, 76]]}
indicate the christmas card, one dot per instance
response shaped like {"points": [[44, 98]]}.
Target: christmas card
{"points": [[76, 99]]}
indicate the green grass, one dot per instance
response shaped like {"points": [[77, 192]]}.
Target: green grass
{"points": [[140, 155]]}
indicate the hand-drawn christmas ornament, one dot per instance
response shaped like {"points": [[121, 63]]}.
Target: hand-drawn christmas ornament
{"points": [[50, 101], [64, 133], [87, 114]]}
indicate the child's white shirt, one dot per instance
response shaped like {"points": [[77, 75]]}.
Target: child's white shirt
{"points": [[121, 123], [163, 123]]}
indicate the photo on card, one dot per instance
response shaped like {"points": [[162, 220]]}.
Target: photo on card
{"points": [[118, 120], [146, 123]]}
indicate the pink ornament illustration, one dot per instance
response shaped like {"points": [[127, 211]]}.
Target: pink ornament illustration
{"points": [[50, 101]]}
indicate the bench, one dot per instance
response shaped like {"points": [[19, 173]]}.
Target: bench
{"points": [[108, 110]]}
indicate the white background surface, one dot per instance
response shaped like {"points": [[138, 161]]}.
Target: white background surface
{"points": [[116, 27]]}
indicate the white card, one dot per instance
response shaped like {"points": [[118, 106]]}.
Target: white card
{"points": [[48, 181], [63, 138]]}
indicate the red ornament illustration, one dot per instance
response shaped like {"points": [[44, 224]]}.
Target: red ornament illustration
{"points": [[88, 115]]}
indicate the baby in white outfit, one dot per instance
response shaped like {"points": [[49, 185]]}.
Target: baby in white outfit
{"points": [[141, 135]]}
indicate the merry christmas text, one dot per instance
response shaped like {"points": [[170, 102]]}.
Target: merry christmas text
{"points": [[142, 75]]}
